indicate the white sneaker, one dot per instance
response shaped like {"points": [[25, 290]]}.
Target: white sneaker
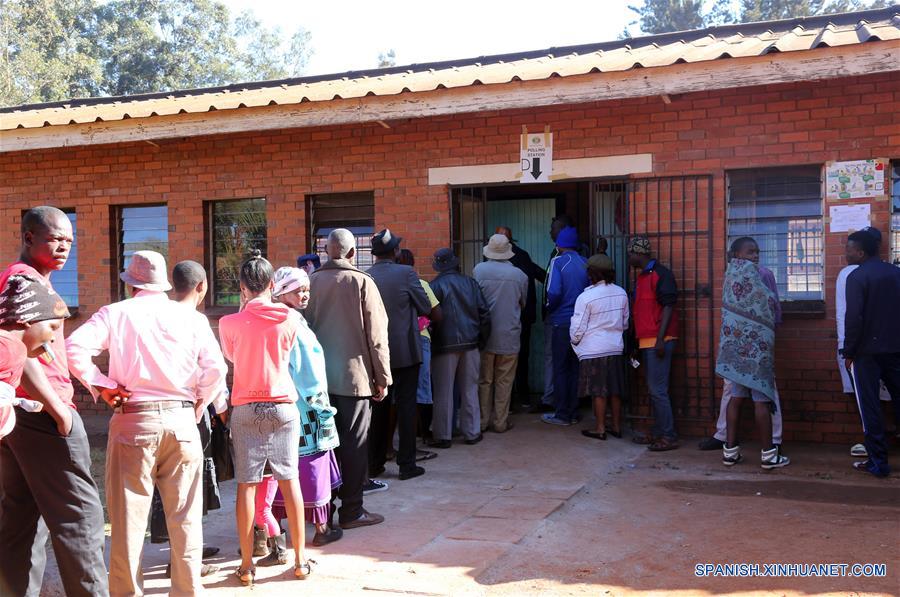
{"points": [[773, 458], [731, 456], [859, 451]]}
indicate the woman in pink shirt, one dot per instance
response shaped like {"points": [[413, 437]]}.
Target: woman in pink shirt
{"points": [[265, 423]]}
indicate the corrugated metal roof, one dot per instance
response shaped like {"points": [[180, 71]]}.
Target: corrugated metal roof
{"points": [[715, 43]]}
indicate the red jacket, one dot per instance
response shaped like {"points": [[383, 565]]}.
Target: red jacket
{"points": [[656, 288]]}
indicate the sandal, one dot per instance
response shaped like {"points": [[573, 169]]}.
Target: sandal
{"points": [[615, 433], [299, 571], [663, 445], [593, 434], [246, 576], [643, 440]]}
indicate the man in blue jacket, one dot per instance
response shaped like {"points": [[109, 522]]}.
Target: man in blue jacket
{"points": [[872, 340], [566, 280]]}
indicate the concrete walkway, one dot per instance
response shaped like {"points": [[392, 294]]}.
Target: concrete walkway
{"points": [[543, 511]]}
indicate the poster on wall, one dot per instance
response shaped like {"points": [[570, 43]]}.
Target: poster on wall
{"points": [[855, 179], [849, 218]]}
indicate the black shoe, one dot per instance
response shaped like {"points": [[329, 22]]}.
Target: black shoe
{"points": [[331, 536], [376, 472], [373, 486], [443, 444], [366, 519], [412, 473], [209, 552], [710, 443], [541, 408], [474, 440]]}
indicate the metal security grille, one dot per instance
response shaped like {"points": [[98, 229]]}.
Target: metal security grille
{"points": [[676, 214]]}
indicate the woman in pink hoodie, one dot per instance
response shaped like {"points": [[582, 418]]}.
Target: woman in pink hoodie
{"points": [[265, 423]]}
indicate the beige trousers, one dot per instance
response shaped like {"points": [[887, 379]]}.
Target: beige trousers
{"points": [[162, 448], [495, 382]]}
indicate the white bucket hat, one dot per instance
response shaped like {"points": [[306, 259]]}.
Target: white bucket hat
{"points": [[146, 271], [498, 247]]}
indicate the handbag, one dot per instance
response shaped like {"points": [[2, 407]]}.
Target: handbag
{"points": [[222, 452]]}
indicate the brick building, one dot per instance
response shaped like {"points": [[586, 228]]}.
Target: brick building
{"points": [[691, 138]]}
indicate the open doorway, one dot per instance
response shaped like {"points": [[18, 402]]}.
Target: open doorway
{"points": [[528, 211]]}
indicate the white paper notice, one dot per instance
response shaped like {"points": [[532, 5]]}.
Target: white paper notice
{"points": [[846, 218]]}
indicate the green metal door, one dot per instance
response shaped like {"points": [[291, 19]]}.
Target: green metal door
{"points": [[529, 220]]}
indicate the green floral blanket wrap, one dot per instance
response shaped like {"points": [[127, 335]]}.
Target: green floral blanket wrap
{"points": [[747, 342]]}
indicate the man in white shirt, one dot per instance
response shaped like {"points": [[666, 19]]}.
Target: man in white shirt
{"points": [[162, 375]]}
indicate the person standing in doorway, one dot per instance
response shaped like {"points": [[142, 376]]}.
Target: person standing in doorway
{"points": [[522, 260], [46, 487], [463, 330], [504, 287], [349, 319], [163, 373], [872, 341], [405, 301], [309, 262], [565, 283], [655, 319]]}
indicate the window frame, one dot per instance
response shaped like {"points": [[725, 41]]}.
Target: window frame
{"points": [[209, 256], [364, 258], [894, 211], [769, 176], [118, 237]]}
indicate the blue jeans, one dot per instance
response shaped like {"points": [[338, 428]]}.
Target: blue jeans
{"points": [[658, 383], [423, 393], [565, 374]]}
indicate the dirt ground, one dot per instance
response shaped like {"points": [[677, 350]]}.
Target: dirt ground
{"points": [[544, 511]]}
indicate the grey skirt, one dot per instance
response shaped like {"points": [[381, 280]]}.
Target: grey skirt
{"points": [[265, 433]]}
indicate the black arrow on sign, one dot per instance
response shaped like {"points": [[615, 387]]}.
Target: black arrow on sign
{"points": [[536, 168]]}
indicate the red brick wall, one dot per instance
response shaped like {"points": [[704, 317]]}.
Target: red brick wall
{"points": [[699, 133]]}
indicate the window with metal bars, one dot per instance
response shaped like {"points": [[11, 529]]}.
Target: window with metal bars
{"points": [[895, 212], [782, 209], [353, 211], [236, 227], [141, 228], [65, 281]]}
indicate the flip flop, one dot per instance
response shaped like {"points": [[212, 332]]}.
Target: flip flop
{"points": [[425, 455], [593, 434], [616, 434]]}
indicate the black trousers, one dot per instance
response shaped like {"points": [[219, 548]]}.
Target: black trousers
{"points": [[352, 420], [867, 370], [46, 487], [402, 394], [521, 390]]}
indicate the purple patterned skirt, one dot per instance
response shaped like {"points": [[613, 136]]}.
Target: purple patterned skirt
{"points": [[319, 476]]}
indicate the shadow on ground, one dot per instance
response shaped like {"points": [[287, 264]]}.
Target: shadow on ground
{"points": [[543, 511]]}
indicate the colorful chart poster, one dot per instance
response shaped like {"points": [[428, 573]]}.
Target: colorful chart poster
{"points": [[854, 180]]}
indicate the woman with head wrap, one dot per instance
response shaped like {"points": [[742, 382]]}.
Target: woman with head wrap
{"points": [[319, 472]]}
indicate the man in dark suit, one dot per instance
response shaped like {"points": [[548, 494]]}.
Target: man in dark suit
{"points": [[872, 340], [404, 300], [522, 260]]}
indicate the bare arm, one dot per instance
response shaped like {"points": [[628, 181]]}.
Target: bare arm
{"points": [[36, 384]]}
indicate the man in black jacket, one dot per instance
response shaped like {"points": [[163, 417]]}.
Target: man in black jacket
{"points": [[463, 330], [404, 300], [872, 340]]}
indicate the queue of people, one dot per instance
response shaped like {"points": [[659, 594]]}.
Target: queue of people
{"points": [[327, 361]]}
